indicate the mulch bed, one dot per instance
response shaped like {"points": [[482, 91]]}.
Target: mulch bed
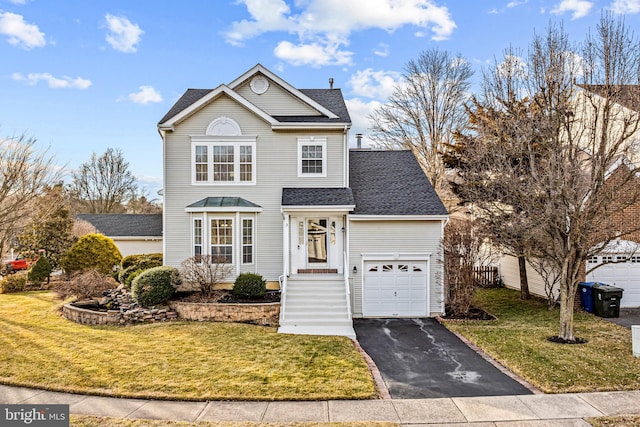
{"points": [[556, 339], [224, 297]]}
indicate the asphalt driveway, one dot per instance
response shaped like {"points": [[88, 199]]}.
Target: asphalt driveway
{"points": [[628, 317], [420, 358]]}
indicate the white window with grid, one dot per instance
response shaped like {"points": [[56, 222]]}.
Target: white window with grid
{"points": [[312, 157]]}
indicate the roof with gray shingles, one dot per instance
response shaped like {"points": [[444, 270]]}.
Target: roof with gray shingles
{"points": [[317, 197], [331, 99], [125, 225], [391, 183]]}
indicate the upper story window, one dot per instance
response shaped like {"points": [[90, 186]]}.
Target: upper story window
{"points": [[223, 155], [312, 157]]}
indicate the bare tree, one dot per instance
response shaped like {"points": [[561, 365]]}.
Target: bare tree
{"points": [[205, 271], [425, 108], [104, 183], [553, 173], [25, 173], [462, 252]]}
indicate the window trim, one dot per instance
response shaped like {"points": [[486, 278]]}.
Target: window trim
{"points": [[243, 245], [193, 236], [312, 141], [236, 142]]}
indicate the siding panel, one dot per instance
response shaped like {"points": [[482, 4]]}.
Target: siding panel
{"points": [[390, 237]]}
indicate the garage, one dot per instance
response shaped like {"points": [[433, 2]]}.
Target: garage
{"points": [[396, 288], [624, 272]]}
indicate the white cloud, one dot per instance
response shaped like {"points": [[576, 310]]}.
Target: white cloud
{"points": [[315, 54], [628, 7], [516, 3], [578, 8], [359, 112], [325, 25], [20, 33], [18, 1], [123, 35], [513, 66], [382, 50], [145, 95], [63, 82], [374, 84]]}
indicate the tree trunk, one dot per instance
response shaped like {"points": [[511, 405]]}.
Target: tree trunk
{"points": [[568, 289], [524, 282]]}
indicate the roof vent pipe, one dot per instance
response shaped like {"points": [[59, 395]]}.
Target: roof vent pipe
{"points": [[358, 140], [330, 82]]}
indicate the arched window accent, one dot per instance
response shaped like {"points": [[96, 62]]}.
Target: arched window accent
{"points": [[224, 126]]}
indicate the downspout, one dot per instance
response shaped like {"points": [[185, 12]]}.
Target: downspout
{"points": [[345, 143], [164, 195]]}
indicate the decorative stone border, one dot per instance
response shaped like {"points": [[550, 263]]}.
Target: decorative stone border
{"points": [[116, 317], [265, 314]]}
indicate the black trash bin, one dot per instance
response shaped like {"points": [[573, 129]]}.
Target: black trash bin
{"points": [[586, 295], [607, 300]]}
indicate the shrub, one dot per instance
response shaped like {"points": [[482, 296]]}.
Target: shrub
{"points": [[13, 283], [131, 276], [89, 284], [131, 260], [92, 251], [40, 271], [133, 263], [205, 271], [249, 286], [155, 286]]}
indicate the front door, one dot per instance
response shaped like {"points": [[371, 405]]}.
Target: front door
{"points": [[316, 243]]}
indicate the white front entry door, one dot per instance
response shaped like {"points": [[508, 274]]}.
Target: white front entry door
{"points": [[316, 243], [395, 289]]}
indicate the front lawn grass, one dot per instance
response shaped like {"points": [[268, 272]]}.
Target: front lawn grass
{"points": [[518, 340], [174, 360]]}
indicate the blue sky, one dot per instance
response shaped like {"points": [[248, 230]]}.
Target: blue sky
{"points": [[81, 76]]}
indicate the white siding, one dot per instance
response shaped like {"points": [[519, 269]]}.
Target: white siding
{"points": [[276, 101], [138, 246], [396, 237], [510, 274], [276, 162]]}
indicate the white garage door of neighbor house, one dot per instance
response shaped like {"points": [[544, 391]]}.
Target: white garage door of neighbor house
{"points": [[625, 275], [395, 289]]}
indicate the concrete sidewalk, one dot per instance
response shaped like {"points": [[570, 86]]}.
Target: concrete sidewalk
{"points": [[497, 411]]}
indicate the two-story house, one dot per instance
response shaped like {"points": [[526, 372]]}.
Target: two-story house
{"points": [[260, 173]]}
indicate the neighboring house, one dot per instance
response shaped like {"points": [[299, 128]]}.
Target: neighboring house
{"points": [[132, 233], [620, 258], [260, 173]]}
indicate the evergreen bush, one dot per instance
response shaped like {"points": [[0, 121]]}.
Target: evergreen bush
{"points": [[155, 286], [92, 251], [249, 286], [132, 263], [40, 271]]}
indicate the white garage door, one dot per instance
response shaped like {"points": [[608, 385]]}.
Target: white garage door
{"points": [[395, 289], [625, 275]]}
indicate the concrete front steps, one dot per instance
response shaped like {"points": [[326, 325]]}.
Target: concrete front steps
{"points": [[316, 304]]}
